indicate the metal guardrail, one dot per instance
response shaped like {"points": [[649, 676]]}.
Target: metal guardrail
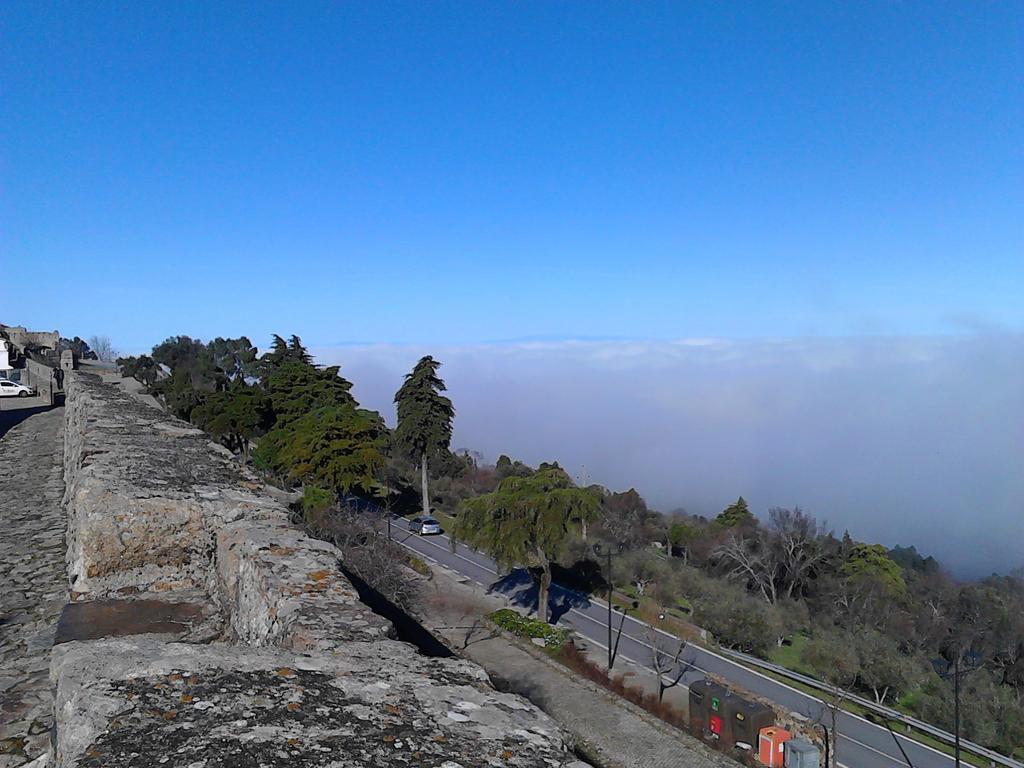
{"points": [[892, 714]]}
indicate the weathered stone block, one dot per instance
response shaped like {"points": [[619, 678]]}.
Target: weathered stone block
{"points": [[145, 703]]}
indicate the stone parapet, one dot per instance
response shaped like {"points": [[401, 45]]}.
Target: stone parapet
{"points": [[300, 673], [139, 702]]}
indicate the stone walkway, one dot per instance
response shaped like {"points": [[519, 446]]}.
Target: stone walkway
{"points": [[33, 584]]}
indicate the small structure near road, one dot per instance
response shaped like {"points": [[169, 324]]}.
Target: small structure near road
{"points": [[5, 359]]}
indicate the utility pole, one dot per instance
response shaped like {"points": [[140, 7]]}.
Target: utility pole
{"points": [[608, 579], [941, 665], [599, 550], [956, 709], [613, 647]]}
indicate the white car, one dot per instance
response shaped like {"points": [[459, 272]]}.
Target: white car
{"points": [[424, 526], [13, 389]]}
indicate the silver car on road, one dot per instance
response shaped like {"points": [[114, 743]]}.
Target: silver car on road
{"points": [[424, 526]]}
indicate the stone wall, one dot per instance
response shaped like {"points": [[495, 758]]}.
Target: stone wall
{"points": [[22, 337], [231, 638], [40, 377]]}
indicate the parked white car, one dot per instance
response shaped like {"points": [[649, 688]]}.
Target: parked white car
{"points": [[424, 526], [13, 389]]}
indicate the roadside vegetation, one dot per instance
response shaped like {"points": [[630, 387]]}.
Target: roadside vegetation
{"points": [[530, 629], [887, 624]]}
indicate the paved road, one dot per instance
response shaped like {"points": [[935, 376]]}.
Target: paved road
{"points": [[861, 744], [14, 410]]}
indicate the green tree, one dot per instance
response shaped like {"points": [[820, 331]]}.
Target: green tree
{"points": [[79, 348], [339, 447], [870, 563], [296, 388], [278, 353], [681, 536], [736, 515], [188, 357], [235, 416], [143, 369], [281, 352], [527, 521], [625, 518], [178, 393], [297, 352], [737, 619], [833, 660], [505, 467], [884, 670], [640, 568], [425, 418], [236, 358]]}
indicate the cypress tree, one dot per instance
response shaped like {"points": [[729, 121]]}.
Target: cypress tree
{"points": [[425, 418]]}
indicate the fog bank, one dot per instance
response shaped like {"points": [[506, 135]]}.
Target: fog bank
{"points": [[900, 440]]}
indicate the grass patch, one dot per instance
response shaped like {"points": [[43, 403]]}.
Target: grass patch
{"points": [[418, 565], [788, 656], [524, 626]]}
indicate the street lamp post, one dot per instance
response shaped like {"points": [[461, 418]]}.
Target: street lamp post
{"points": [[608, 551]]}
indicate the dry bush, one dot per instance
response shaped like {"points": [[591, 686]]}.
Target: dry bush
{"points": [[366, 551], [577, 661]]}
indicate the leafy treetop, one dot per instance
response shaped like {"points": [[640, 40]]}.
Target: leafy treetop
{"points": [[424, 415], [296, 388], [339, 447], [871, 563], [736, 515]]}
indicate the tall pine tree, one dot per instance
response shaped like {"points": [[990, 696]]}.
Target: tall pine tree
{"points": [[425, 418]]}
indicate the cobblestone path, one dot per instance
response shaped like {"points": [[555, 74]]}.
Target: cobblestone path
{"points": [[33, 585]]}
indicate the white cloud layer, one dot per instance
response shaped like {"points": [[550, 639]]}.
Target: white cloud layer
{"points": [[901, 440]]}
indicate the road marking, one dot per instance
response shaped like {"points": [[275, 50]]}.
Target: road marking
{"points": [[802, 694], [878, 751], [450, 552]]}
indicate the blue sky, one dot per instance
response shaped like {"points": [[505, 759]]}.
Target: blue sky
{"points": [[454, 173]]}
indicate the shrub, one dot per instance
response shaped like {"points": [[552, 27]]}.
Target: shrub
{"points": [[316, 499], [523, 626], [419, 565]]}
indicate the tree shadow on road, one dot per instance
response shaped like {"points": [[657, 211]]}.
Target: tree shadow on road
{"points": [[521, 590]]}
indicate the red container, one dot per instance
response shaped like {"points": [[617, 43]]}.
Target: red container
{"points": [[770, 747]]}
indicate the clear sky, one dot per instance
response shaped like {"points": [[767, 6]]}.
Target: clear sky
{"points": [[455, 173]]}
